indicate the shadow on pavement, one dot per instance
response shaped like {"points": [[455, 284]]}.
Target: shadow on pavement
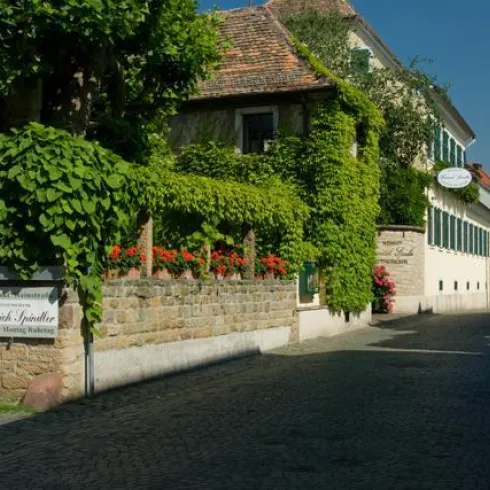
{"points": [[335, 420]]}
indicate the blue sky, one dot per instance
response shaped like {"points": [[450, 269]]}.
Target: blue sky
{"points": [[452, 34]]}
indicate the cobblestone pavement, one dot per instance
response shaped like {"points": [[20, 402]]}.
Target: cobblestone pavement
{"points": [[402, 405]]}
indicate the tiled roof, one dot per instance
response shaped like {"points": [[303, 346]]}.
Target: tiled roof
{"points": [[483, 176], [285, 8], [261, 59]]}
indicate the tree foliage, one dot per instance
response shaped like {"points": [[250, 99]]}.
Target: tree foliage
{"points": [[102, 66]]}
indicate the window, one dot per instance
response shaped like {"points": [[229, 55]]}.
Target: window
{"points": [[477, 240], [441, 285], [459, 158], [460, 234], [430, 225], [437, 227], [445, 229], [478, 286], [255, 127], [468, 286], [455, 285], [360, 60], [466, 240], [452, 152], [445, 146], [437, 144], [452, 233]]}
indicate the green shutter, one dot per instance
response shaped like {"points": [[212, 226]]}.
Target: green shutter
{"points": [[437, 227], [466, 241], [430, 225], [437, 144], [482, 244], [445, 146], [471, 239], [460, 235], [477, 240], [452, 233], [445, 229], [459, 161], [452, 152]]}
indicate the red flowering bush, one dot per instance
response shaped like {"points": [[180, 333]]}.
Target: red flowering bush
{"points": [[124, 259], [227, 264], [273, 265], [177, 262], [384, 290]]}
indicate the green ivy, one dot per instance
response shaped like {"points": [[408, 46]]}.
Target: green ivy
{"points": [[268, 209], [61, 200]]}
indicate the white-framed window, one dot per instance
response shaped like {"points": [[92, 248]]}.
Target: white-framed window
{"points": [[255, 127]]}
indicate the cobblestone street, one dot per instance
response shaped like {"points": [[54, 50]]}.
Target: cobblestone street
{"points": [[402, 405]]}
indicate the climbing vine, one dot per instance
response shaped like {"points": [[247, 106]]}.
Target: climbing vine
{"points": [[62, 199]]}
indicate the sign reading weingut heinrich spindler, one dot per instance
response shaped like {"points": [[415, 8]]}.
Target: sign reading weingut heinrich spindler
{"points": [[29, 312]]}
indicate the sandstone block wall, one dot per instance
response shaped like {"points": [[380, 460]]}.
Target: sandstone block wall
{"points": [[146, 313], [24, 359], [152, 312], [402, 250]]}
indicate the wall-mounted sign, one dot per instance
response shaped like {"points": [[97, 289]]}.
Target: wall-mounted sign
{"points": [[29, 312], [454, 178]]}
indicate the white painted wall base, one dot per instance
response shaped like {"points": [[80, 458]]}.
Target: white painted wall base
{"points": [[115, 368], [321, 322], [441, 303]]}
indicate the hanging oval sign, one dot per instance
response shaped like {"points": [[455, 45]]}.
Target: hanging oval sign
{"points": [[454, 178]]}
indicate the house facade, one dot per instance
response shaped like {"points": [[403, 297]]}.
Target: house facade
{"points": [[444, 266]]}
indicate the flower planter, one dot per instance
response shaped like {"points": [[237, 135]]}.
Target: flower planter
{"points": [[162, 274], [186, 275], [132, 274], [269, 276]]}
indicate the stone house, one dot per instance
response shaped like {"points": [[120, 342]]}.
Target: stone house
{"points": [[261, 87]]}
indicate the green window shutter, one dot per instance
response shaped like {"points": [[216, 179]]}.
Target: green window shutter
{"points": [[445, 146], [466, 240], [452, 152], [482, 244], [471, 239], [465, 159], [487, 253], [460, 234], [459, 160], [452, 233], [430, 225], [437, 144], [437, 227], [445, 229], [477, 240]]}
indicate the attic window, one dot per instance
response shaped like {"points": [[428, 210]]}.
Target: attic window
{"points": [[360, 60], [255, 128]]}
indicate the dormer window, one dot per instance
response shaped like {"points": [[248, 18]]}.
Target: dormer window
{"points": [[360, 60]]}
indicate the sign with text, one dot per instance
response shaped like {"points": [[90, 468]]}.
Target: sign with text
{"points": [[29, 312], [454, 178]]}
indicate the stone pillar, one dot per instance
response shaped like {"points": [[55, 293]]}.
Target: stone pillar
{"points": [[145, 243], [249, 250]]}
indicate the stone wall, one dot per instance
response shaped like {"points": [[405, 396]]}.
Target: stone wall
{"points": [[197, 321], [402, 250], [154, 327], [24, 359]]}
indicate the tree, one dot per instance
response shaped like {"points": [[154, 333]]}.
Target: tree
{"points": [[100, 66]]}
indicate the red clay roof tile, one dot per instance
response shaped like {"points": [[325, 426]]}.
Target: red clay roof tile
{"points": [[261, 58]]}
